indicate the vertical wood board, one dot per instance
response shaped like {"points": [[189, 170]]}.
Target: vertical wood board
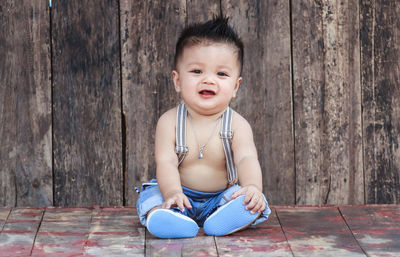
{"points": [[25, 104], [149, 30], [87, 104], [264, 97], [380, 55], [327, 102], [308, 81], [342, 152]]}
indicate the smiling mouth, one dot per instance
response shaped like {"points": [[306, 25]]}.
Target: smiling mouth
{"points": [[207, 92]]}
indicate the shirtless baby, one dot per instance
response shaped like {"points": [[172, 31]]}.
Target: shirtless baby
{"points": [[208, 173]]}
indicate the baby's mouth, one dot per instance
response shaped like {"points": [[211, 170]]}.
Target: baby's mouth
{"points": [[206, 92]]}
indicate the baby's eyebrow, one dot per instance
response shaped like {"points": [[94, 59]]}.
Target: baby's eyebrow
{"points": [[194, 63]]}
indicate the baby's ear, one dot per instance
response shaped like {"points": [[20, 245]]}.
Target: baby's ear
{"points": [[239, 80], [175, 78]]}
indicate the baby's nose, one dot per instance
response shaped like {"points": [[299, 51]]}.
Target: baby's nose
{"points": [[208, 80]]}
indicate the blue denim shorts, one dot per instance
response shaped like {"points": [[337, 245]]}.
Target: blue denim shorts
{"points": [[203, 203]]}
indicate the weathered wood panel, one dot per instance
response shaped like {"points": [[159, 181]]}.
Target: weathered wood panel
{"points": [[380, 55], [18, 235], [265, 97], [311, 149], [376, 228], [87, 103], [63, 232], [318, 232], [264, 239], [201, 11], [370, 230], [25, 104], [4, 212], [327, 102], [201, 245], [149, 30], [115, 232]]}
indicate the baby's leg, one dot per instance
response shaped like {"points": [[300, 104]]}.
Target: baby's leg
{"points": [[229, 218], [163, 223]]}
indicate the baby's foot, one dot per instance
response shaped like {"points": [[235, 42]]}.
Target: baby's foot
{"points": [[165, 223], [229, 218]]}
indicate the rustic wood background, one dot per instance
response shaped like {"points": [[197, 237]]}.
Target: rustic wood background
{"points": [[83, 83]]}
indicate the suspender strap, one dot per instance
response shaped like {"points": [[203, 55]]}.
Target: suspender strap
{"points": [[181, 148], [226, 135]]}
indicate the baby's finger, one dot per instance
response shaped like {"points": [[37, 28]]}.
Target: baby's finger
{"points": [[179, 203], [253, 203], [249, 196], [187, 203], [239, 192], [167, 204], [257, 208]]}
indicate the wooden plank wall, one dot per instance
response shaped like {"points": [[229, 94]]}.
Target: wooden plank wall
{"points": [[82, 85]]}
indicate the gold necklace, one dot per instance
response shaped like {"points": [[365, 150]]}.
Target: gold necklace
{"points": [[201, 148]]}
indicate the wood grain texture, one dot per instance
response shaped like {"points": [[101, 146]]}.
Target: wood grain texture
{"points": [[327, 131], [63, 232], [25, 104], [264, 98], [318, 232], [87, 104], [354, 230], [149, 31], [201, 245], [342, 152], [380, 55], [264, 239], [327, 102], [19, 232], [115, 232], [375, 227], [201, 11], [4, 213]]}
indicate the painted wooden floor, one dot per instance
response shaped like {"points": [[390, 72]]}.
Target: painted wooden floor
{"points": [[291, 231]]}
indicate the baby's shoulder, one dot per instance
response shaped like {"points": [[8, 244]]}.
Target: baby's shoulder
{"points": [[168, 118], [240, 124], [238, 119]]}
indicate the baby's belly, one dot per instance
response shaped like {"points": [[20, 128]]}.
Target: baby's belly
{"points": [[204, 179]]}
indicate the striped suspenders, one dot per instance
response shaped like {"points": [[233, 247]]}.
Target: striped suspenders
{"points": [[226, 135], [181, 148]]}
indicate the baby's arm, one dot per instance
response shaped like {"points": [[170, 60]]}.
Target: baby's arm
{"points": [[167, 163], [248, 166]]}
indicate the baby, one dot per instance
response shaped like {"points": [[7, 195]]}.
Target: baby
{"points": [[208, 173]]}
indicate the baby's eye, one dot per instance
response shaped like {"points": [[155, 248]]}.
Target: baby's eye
{"points": [[222, 74], [196, 71]]}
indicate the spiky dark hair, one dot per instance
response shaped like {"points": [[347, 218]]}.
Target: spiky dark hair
{"points": [[216, 30]]}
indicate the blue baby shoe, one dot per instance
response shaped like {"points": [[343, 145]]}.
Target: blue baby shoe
{"points": [[229, 218], [165, 223]]}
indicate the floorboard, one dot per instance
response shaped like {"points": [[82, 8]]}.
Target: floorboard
{"points": [[264, 239], [376, 228], [19, 231], [367, 230], [318, 232]]}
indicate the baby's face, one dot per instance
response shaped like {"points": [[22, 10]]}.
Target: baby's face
{"points": [[207, 77]]}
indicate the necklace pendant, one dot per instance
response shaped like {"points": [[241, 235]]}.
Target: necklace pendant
{"points": [[200, 155]]}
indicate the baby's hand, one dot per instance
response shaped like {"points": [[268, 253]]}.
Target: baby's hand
{"points": [[254, 198], [177, 199]]}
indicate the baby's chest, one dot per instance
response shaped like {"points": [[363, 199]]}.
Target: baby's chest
{"points": [[202, 149]]}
